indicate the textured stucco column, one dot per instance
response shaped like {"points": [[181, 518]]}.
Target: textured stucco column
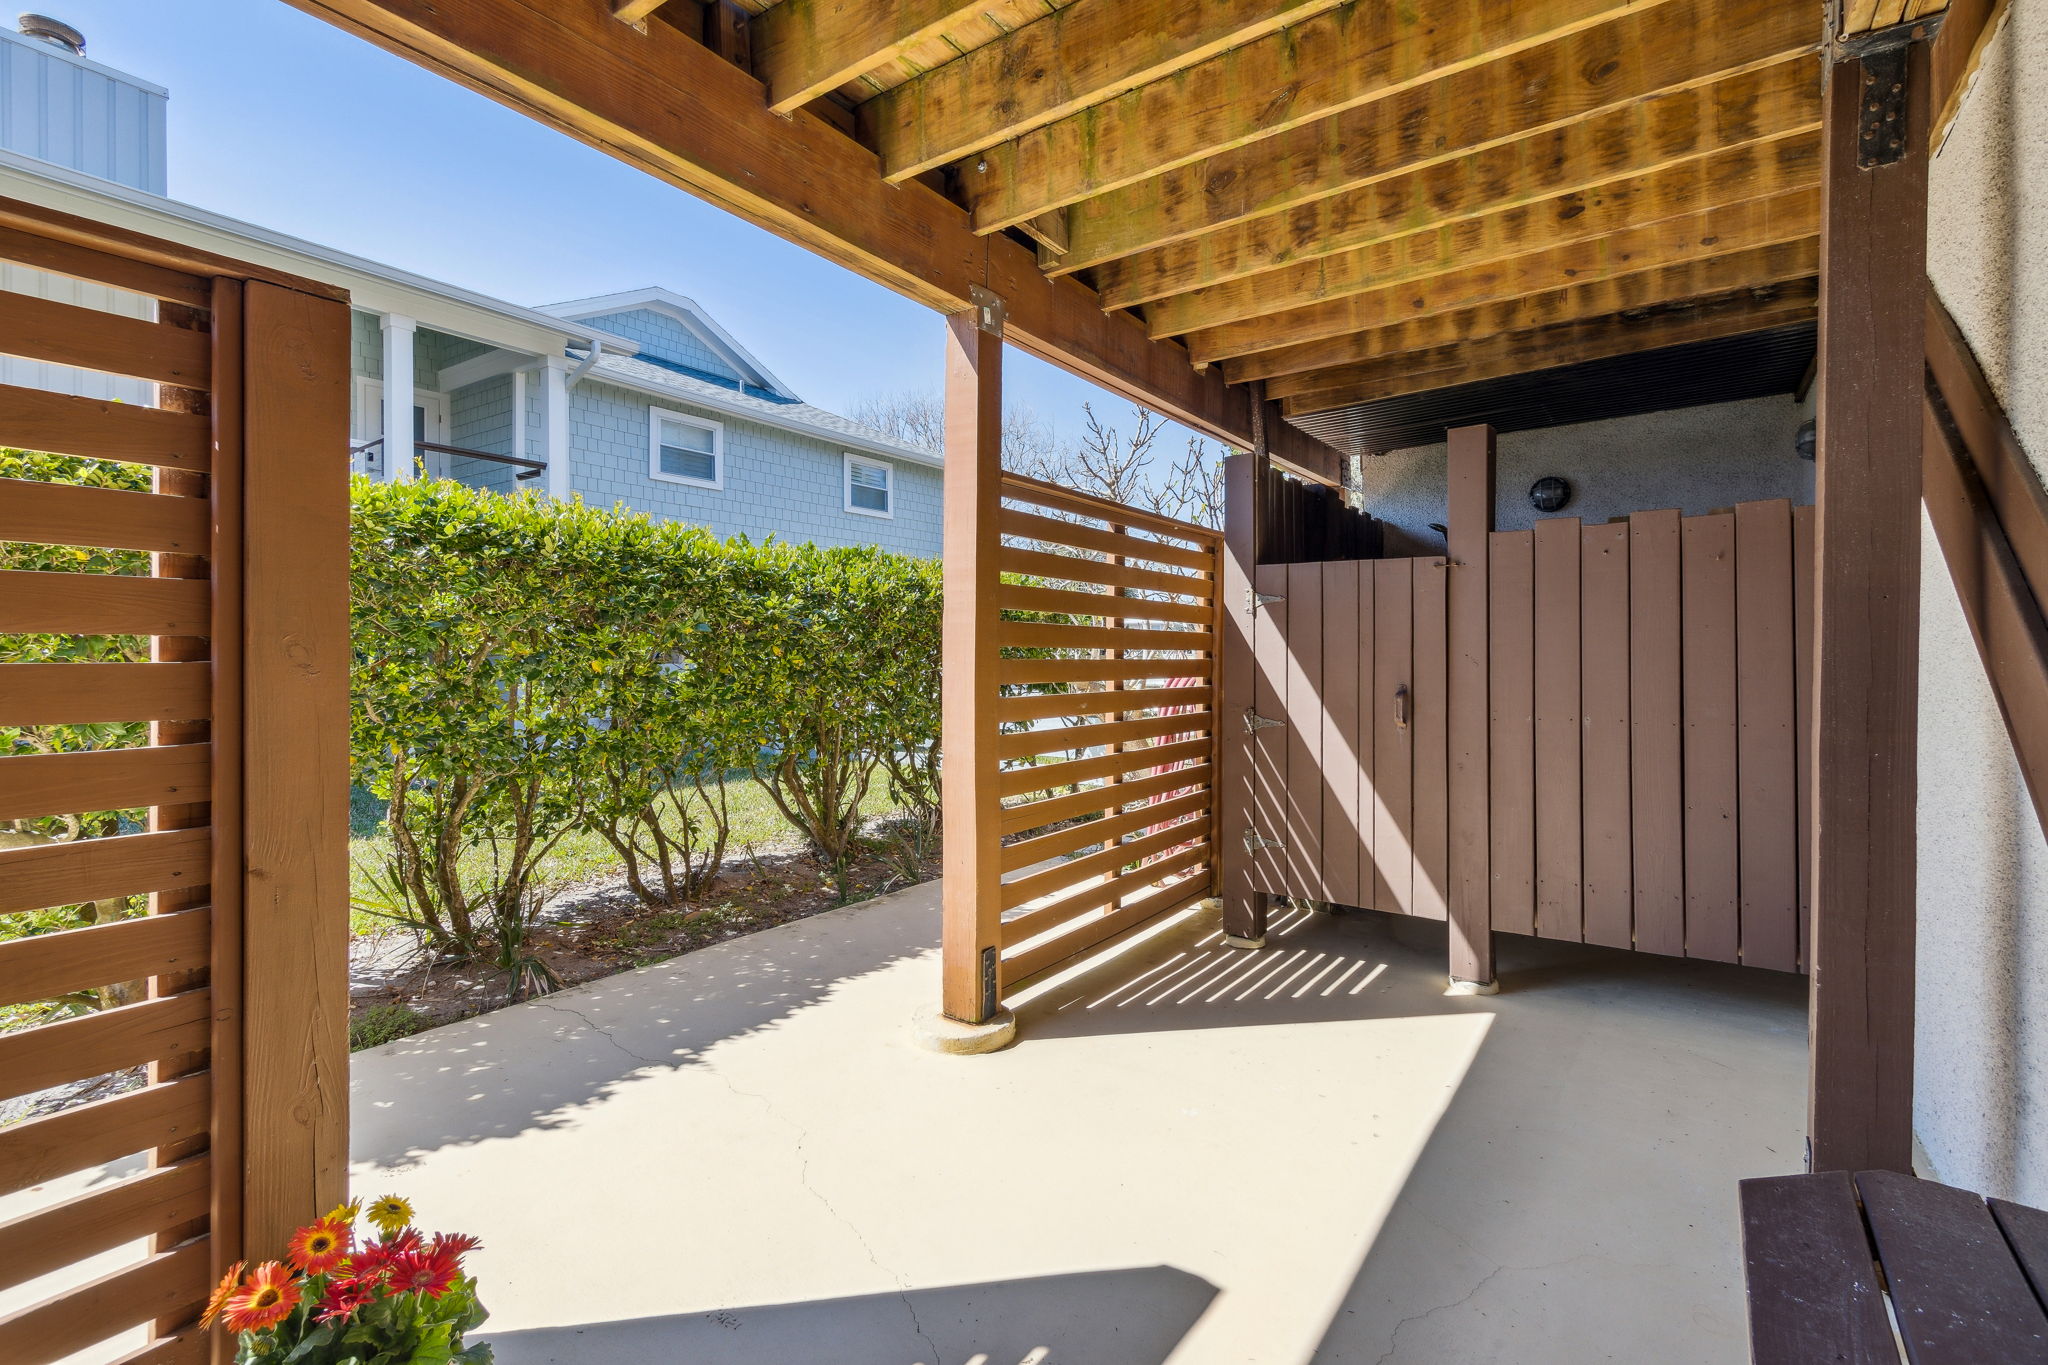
{"points": [[398, 397], [554, 418]]}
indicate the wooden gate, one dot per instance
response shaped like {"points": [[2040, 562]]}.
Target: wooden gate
{"points": [[1644, 747], [1346, 734], [186, 695]]}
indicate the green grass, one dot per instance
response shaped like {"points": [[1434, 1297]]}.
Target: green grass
{"points": [[381, 1024], [579, 856]]}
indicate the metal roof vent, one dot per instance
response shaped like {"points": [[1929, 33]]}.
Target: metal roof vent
{"points": [[53, 31]]}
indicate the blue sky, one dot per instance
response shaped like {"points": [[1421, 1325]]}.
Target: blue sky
{"points": [[278, 118]]}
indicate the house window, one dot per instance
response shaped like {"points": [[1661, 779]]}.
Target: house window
{"points": [[870, 487], [687, 450]]}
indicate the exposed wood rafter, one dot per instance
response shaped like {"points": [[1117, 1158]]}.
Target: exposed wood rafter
{"points": [[1618, 211], [1768, 266], [1790, 216], [804, 48], [1497, 355], [1125, 205]]}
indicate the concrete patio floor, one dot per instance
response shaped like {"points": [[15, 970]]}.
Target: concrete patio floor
{"points": [[1307, 1154]]}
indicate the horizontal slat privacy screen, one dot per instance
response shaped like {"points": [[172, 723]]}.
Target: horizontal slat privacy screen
{"points": [[1108, 718], [124, 847]]}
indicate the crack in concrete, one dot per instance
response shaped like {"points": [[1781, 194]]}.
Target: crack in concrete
{"points": [[802, 1152]]}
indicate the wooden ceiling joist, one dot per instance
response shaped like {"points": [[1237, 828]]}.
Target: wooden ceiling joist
{"points": [[1346, 61], [650, 98], [1664, 131], [1534, 92], [1086, 53], [1499, 354], [1605, 213], [636, 11], [1758, 268], [805, 48], [1792, 215]]}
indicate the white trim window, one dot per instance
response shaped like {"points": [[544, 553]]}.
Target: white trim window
{"points": [[684, 449], [870, 486]]}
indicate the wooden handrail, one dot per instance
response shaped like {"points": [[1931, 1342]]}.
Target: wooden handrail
{"points": [[1990, 515], [532, 468]]}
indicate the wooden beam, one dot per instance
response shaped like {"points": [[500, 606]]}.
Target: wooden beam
{"points": [[972, 908], [669, 106], [635, 11], [1469, 514], [1759, 268], [1571, 343], [1631, 209], [1788, 217], [1085, 53], [1966, 30], [1674, 45], [805, 48], [1867, 618], [1779, 102], [1324, 66]]}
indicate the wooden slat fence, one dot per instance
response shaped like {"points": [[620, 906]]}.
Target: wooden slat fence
{"points": [[1106, 682], [238, 770], [1644, 727]]}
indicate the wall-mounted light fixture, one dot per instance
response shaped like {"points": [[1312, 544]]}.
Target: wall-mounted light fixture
{"points": [[1809, 436], [1549, 493]]}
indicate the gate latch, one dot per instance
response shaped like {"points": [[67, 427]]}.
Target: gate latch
{"points": [[1254, 841], [1254, 722], [1254, 599]]}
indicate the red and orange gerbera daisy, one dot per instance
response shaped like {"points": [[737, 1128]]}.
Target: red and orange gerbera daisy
{"points": [[344, 1296], [218, 1299], [264, 1301], [319, 1247]]}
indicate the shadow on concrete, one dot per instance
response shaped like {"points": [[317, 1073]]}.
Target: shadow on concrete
{"points": [[1103, 1317], [535, 1066]]}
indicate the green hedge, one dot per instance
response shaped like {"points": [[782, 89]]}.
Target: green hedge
{"points": [[526, 668]]}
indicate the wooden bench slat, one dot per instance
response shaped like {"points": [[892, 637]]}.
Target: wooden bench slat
{"points": [[2026, 1232], [1958, 1295], [1813, 1287]]}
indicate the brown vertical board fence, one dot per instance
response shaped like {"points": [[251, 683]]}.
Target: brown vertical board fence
{"points": [[1642, 787], [1108, 732], [240, 871]]}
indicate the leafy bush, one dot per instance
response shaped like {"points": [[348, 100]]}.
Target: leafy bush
{"points": [[526, 668]]}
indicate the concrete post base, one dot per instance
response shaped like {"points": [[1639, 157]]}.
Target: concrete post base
{"points": [[1458, 987], [1233, 941], [939, 1032]]}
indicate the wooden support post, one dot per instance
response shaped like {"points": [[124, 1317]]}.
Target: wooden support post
{"points": [[972, 858], [1867, 603], [1470, 518], [1244, 484], [295, 660]]}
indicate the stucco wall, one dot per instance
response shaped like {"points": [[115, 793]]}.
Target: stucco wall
{"points": [[776, 482], [1981, 1063], [1694, 459]]}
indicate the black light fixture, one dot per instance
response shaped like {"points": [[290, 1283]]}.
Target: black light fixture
{"points": [[1549, 493], [1804, 442]]}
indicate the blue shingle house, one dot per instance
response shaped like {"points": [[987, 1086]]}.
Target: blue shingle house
{"points": [[640, 399]]}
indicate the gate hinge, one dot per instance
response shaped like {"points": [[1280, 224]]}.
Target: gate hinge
{"points": [[1254, 841], [1254, 722], [1254, 599]]}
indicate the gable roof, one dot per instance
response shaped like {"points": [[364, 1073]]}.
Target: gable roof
{"points": [[791, 414], [690, 314]]}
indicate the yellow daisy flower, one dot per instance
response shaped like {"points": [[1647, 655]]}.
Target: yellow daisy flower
{"points": [[390, 1214]]}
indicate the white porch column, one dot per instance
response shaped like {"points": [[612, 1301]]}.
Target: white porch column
{"points": [[554, 411], [398, 397]]}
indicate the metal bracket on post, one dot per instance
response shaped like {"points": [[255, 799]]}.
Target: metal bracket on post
{"points": [[1254, 722], [1881, 110], [991, 1002], [1254, 841], [989, 309], [1254, 599]]}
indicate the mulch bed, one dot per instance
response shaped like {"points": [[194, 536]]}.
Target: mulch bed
{"points": [[598, 929]]}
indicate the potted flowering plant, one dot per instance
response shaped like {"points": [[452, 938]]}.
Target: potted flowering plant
{"points": [[400, 1299]]}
